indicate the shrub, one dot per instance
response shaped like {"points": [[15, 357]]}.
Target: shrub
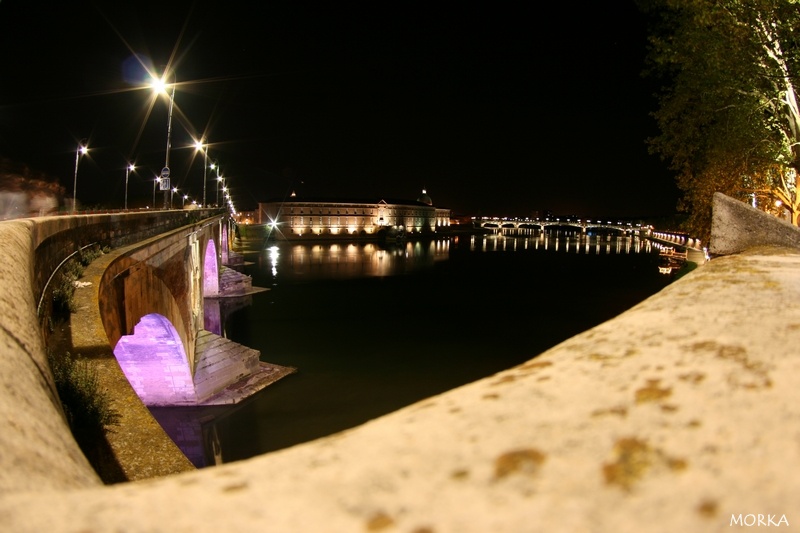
{"points": [[87, 255], [64, 291], [87, 408], [70, 272]]}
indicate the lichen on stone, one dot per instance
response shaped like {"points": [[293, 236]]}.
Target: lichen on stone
{"points": [[633, 459], [652, 392], [618, 410], [379, 521], [524, 461]]}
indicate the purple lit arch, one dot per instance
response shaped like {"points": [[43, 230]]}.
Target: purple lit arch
{"points": [[211, 270], [154, 361]]}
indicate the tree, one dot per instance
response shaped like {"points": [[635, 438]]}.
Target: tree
{"points": [[728, 112]]}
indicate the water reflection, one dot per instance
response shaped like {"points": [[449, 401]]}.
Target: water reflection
{"points": [[216, 312], [374, 327], [350, 260], [194, 431], [560, 240]]}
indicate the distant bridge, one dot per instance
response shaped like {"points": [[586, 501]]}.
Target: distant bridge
{"points": [[584, 225]]}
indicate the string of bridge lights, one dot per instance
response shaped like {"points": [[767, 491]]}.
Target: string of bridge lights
{"points": [[161, 180]]}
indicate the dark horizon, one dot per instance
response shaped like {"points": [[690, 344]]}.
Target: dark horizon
{"points": [[476, 105]]}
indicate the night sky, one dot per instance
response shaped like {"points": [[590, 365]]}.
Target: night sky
{"points": [[495, 108]]}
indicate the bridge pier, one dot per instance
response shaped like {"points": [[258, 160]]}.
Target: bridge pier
{"points": [[228, 373], [154, 360]]}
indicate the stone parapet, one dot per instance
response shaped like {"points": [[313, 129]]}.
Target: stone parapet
{"points": [[681, 414], [737, 227], [38, 451]]}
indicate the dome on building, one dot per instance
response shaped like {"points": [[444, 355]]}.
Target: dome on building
{"points": [[425, 199]]}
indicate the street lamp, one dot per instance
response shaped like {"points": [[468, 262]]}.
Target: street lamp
{"points": [[159, 85], [82, 150], [130, 168], [183, 204], [215, 166], [199, 146], [173, 191]]}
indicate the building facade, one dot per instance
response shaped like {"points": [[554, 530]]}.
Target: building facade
{"points": [[296, 218]]}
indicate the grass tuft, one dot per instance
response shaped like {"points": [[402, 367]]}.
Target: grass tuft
{"points": [[86, 406]]}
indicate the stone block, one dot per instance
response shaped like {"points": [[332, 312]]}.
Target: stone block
{"points": [[736, 226]]}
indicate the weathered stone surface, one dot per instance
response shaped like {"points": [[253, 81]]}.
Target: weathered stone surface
{"points": [[736, 226], [37, 451]]}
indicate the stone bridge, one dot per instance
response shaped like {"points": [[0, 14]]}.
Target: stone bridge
{"points": [[151, 298], [166, 276]]}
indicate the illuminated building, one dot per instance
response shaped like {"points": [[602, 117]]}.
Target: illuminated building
{"points": [[298, 218]]}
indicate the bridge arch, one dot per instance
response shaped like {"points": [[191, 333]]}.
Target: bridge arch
{"points": [[211, 269], [153, 360], [608, 228], [143, 290]]}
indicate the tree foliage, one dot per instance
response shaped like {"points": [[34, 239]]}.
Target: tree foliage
{"points": [[728, 114]]}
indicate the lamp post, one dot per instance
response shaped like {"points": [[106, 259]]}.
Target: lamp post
{"points": [[199, 146], [183, 204], [173, 191], [215, 166], [82, 150], [169, 134], [130, 168], [159, 85]]}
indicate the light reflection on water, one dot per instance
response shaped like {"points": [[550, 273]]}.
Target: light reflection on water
{"points": [[349, 260], [352, 260], [569, 241], [372, 328]]}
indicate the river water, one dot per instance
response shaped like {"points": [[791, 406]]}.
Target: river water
{"points": [[372, 328]]}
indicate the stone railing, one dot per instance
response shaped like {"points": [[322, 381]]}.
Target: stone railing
{"points": [[681, 414]]}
